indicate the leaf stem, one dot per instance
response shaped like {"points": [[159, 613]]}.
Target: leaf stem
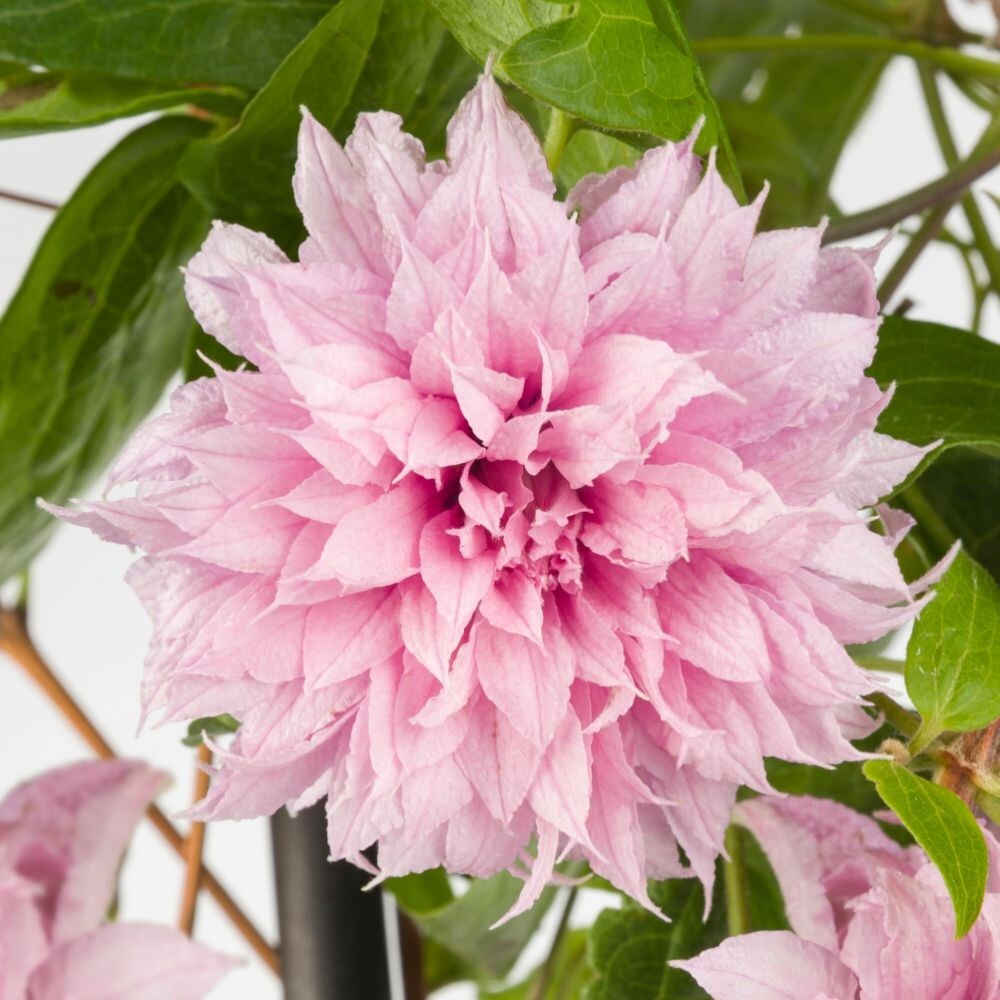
{"points": [[27, 199], [921, 239], [929, 521], [947, 58], [977, 224], [556, 136], [944, 191], [194, 846], [906, 722], [548, 969], [734, 872], [17, 644]]}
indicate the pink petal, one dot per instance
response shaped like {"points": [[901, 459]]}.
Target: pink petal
{"points": [[771, 965], [129, 962]]}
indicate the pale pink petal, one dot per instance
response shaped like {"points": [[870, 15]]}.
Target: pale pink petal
{"points": [[771, 965], [335, 202], [129, 962], [378, 544]]}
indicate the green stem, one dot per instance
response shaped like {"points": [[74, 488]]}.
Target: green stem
{"points": [[990, 805], [734, 872], [925, 735], [906, 722], [921, 239], [548, 970], [929, 520], [946, 190], [892, 18], [977, 224], [946, 58], [24, 589], [556, 135]]}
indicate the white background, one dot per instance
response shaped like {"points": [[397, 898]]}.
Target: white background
{"points": [[92, 630]]}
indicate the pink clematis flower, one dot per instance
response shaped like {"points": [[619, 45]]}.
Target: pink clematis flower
{"points": [[538, 521], [62, 837], [872, 920]]}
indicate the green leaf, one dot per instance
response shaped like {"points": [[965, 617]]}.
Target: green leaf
{"points": [[237, 42], [364, 55], [590, 152], [96, 329], [947, 383], [962, 487], [569, 975], [953, 657], [628, 951], [32, 102], [210, 725], [844, 783], [945, 828], [629, 948], [789, 118], [586, 65], [462, 924], [451, 76], [487, 27]]}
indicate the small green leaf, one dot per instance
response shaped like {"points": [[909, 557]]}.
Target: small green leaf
{"points": [[585, 64], [462, 925], [32, 102], [95, 330], [210, 725], [945, 828], [947, 383], [953, 657], [238, 42]]}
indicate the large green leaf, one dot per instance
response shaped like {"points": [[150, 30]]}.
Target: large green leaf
{"points": [[585, 64], [962, 487], [364, 55], [450, 77], [488, 27], [462, 924], [32, 102], [238, 42], [953, 657], [789, 118], [628, 951], [95, 330], [580, 58], [947, 383], [945, 828]]}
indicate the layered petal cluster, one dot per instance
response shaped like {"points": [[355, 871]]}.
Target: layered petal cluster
{"points": [[62, 837], [871, 920], [537, 522]]}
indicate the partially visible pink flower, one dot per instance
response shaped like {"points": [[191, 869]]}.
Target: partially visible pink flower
{"points": [[62, 837], [538, 522], [871, 919]]}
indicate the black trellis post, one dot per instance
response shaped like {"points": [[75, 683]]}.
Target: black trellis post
{"points": [[333, 935]]}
